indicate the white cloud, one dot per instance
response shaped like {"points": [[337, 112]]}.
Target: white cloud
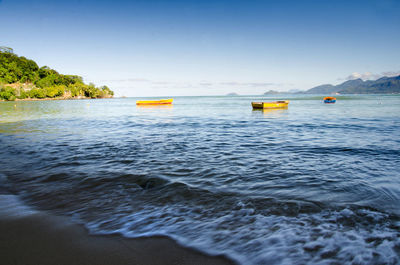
{"points": [[364, 76], [138, 86], [391, 73], [203, 83], [130, 80], [206, 84], [247, 84], [370, 76]]}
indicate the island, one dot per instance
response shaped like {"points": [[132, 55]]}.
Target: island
{"points": [[272, 92], [23, 79]]}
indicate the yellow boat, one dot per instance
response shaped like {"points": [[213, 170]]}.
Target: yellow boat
{"points": [[281, 104], [154, 102]]}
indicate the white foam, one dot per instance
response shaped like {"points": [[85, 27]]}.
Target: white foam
{"points": [[11, 207], [252, 238]]}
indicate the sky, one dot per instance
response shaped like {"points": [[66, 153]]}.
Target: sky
{"points": [[145, 48]]}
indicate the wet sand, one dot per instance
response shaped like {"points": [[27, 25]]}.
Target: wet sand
{"points": [[39, 238]]}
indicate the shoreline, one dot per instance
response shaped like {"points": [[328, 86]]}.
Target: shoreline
{"points": [[45, 99], [31, 237]]}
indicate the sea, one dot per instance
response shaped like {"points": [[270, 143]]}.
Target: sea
{"points": [[312, 184]]}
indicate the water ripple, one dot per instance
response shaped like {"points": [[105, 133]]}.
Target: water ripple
{"points": [[300, 186]]}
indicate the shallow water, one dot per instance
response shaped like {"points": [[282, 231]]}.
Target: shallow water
{"points": [[316, 183]]}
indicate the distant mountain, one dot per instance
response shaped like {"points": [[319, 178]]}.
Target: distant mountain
{"points": [[322, 89], [232, 94], [384, 85], [349, 84], [293, 91], [272, 92]]}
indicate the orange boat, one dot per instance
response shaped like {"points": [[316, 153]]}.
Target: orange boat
{"points": [[329, 100], [154, 102]]}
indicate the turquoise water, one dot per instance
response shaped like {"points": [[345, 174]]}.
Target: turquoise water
{"points": [[314, 183]]}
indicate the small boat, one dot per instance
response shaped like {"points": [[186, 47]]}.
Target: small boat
{"points": [[329, 100], [281, 104], [154, 102]]}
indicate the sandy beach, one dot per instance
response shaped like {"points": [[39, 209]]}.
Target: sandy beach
{"points": [[40, 238]]}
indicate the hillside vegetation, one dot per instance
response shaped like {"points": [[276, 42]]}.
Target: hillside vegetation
{"points": [[21, 78]]}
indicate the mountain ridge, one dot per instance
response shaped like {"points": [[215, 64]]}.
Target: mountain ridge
{"points": [[383, 85]]}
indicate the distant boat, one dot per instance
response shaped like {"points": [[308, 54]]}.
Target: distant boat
{"points": [[281, 104], [329, 100], [154, 102]]}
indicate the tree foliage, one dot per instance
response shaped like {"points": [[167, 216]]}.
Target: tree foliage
{"points": [[44, 82], [7, 93]]}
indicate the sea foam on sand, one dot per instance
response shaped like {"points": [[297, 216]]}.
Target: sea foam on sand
{"points": [[33, 237]]}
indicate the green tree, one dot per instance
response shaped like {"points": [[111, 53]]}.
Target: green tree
{"points": [[37, 93], [55, 91], [23, 94], [7, 93]]}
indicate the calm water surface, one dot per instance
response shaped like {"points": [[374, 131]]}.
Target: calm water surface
{"points": [[316, 183]]}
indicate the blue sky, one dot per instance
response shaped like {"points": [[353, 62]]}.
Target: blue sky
{"points": [[194, 47]]}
